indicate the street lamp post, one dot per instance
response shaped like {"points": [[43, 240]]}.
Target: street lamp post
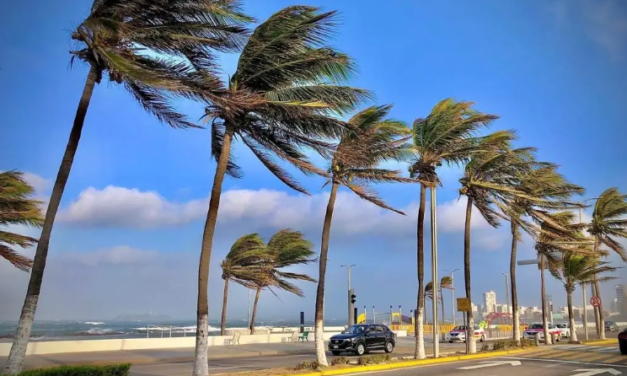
{"points": [[351, 310], [453, 294], [506, 292], [583, 286], [434, 273]]}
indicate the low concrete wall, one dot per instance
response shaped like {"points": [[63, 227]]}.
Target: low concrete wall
{"points": [[79, 346]]}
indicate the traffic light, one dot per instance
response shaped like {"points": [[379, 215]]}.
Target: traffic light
{"points": [[551, 310], [353, 298]]}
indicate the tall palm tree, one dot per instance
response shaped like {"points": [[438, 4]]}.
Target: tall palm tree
{"points": [[556, 237], [447, 135], [369, 139], [286, 248], [608, 224], [445, 283], [286, 84], [156, 49], [544, 190], [577, 269], [17, 208], [489, 182], [247, 264]]}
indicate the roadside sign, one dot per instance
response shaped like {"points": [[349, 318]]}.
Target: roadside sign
{"points": [[463, 305], [595, 301]]}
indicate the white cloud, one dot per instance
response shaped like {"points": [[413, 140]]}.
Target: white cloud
{"points": [[116, 207], [40, 184], [118, 256]]}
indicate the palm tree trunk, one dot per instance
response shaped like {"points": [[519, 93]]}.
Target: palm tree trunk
{"points": [[321, 356], [512, 276], [600, 308], [201, 360], [571, 316], [419, 350], [254, 315], [442, 302], [225, 299], [596, 309], [545, 321], [471, 345], [27, 316]]}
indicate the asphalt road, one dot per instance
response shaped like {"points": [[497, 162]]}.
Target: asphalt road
{"points": [[503, 366]]}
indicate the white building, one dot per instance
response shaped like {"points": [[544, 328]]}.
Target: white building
{"points": [[621, 299], [489, 299]]}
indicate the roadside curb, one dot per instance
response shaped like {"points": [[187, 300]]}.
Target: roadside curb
{"points": [[610, 341], [409, 364], [180, 359]]}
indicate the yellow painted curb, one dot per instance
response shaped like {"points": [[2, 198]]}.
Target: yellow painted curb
{"points": [[610, 341], [408, 364]]}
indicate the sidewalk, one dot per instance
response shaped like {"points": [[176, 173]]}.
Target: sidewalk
{"points": [[405, 347]]}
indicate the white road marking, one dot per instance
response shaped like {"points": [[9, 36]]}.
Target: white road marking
{"points": [[493, 364], [564, 361], [598, 371]]}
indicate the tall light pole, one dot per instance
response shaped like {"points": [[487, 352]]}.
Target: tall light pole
{"points": [[434, 273], [583, 286], [351, 310], [453, 294], [506, 291]]}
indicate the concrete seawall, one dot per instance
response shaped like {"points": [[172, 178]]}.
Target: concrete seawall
{"points": [[122, 344]]}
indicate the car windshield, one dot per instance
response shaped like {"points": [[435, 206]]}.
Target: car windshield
{"points": [[355, 329], [535, 326], [460, 327], [563, 326]]}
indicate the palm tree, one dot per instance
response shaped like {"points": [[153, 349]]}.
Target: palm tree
{"points": [[156, 49], [489, 182], [247, 264], [579, 269], [369, 139], [285, 86], [447, 135], [286, 248], [544, 189], [608, 223], [557, 236], [445, 283], [16, 208]]}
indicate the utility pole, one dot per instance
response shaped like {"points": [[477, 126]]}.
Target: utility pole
{"points": [[506, 292], [351, 304], [453, 308], [583, 286]]}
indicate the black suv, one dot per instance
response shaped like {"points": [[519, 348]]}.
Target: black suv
{"points": [[362, 338]]}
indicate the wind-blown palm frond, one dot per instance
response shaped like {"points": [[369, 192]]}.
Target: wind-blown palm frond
{"points": [[609, 220], [575, 269], [248, 262], [17, 208], [287, 84]]}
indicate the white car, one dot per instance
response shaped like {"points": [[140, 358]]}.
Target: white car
{"points": [[538, 329], [564, 330], [458, 334]]}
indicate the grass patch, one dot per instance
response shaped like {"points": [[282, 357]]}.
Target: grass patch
{"points": [[108, 370], [510, 344]]}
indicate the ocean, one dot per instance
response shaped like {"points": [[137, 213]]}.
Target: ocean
{"points": [[64, 330]]}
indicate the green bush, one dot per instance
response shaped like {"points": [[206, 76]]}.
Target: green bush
{"points": [[374, 359], [109, 370], [307, 365], [527, 343], [499, 345], [485, 347], [340, 361]]}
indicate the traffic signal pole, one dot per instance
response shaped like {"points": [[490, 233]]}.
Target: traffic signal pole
{"points": [[351, 296]]}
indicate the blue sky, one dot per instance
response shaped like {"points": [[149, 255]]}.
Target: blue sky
{"points": [[128, 234]]}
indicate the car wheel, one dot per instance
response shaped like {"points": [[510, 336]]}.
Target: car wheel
{"points": [[623, 348], [389, 347], [482, 338], [335, 353], [360, 349], [450, 341]]}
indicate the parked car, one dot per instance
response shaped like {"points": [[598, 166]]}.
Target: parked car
{"points": [[610, 326], [458, 334], [538, 329], [622, 342], [564, 330], [360, 339]]}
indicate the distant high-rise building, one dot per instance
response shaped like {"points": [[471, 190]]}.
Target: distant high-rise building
{"points": [[621, 299], [489, 299]]}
